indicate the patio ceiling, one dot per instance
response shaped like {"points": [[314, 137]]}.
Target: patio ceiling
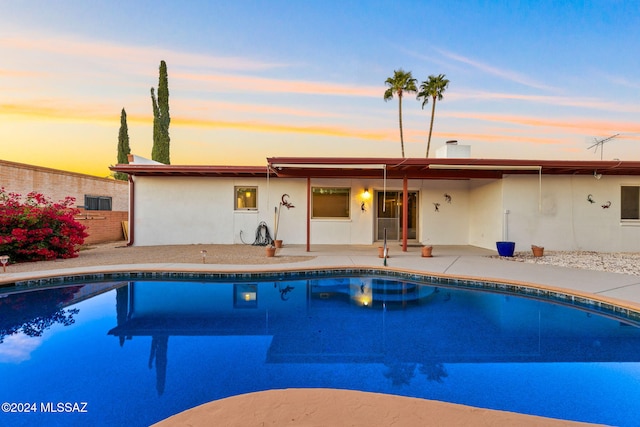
{"points": [[395, 168], [435, 168]]}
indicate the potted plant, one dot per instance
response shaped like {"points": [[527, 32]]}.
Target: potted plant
{"points": [[506, 247], [426, 251], [538, 251], [270, 250]]}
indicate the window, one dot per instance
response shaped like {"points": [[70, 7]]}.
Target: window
{"points": [[630, 202], [246, 198], [97, 203], [330, 202], [245, 295]]}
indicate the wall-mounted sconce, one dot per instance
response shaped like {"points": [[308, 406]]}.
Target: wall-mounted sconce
{"points": [[597, 175], [365, 196]]}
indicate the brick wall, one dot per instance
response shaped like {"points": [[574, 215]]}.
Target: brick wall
{"points": [[56, 184], [102, 226]]}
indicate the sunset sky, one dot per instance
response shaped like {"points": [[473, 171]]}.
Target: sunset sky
{"points": [[254, 79]]}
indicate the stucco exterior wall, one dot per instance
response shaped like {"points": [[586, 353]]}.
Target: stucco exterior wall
{"points": [[449, 225], [210, 216], [565, 219], [356, 230], [486, 213], [190, 210]]}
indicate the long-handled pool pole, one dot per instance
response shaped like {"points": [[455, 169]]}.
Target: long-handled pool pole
{"points": [[384, 248]]}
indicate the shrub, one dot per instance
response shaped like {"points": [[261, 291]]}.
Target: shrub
{"points": [[38, 229]]}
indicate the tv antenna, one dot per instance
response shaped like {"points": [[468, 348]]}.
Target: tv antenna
{"points": [[600, 143]]}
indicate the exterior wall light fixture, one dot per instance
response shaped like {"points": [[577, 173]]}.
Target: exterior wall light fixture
{"points": [[365, 196]]}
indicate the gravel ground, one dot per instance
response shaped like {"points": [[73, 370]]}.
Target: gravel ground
{"points": [[118, 253], [612, 262]]}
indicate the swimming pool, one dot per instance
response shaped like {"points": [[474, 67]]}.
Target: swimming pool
{"points": [[135, 352]]}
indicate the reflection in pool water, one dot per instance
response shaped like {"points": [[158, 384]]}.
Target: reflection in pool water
{"points": [[138, 352]]}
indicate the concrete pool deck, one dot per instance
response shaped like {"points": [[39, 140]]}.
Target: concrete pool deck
{"points": [[338, 407], [457, 261]]}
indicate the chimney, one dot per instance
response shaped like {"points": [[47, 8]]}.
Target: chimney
{"points": [[451, 150]]}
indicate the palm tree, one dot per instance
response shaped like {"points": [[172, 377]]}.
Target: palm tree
{"points": [[400, 82], [434, 88]]}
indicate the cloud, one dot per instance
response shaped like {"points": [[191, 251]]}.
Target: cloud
{"points": [[104, 59], [87, 115], [58, 112], [257, 126], [18, 348], [583, 125], [112, 53], [621, 81], [485, 68], [494, 71], [580, 102], [13, 73], [208, 106], [268, 85]]}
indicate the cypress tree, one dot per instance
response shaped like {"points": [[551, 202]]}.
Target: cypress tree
{"points": [[161, 118], [123, 145]]}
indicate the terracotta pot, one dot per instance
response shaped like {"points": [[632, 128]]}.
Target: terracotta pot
{"points": [[426, 251], [278, 243], [271, 251], [381, 251], [538, 251]]}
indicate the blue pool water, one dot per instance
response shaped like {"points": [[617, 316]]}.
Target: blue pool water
{"points": [[134, 353]]}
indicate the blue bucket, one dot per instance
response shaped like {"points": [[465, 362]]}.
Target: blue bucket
{"points": [[506, 248]]}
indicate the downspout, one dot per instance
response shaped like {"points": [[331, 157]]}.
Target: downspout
{"points": [[405, 212], [131, 210], [384, 189]]}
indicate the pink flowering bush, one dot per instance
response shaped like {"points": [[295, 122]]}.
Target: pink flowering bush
{"points": [[38, 229]]}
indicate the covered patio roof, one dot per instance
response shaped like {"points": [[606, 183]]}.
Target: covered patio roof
{"points": [[441, 168], [190, 170], [392, 168]]}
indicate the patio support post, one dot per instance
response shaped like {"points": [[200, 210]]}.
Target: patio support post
{"points": [[308, 214], [132, 210], [405, 212]]}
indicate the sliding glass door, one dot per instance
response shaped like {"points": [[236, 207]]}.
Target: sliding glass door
{"points": [[389, 215]]}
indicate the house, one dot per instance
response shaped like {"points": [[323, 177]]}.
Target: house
{"points": [[558, 204], [103, 203]]}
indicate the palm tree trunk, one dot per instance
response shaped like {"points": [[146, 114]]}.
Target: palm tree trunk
{"points": [[433, 109], [400, 121]]}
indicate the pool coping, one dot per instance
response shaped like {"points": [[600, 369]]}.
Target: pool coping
{"points": [[604, 305]]}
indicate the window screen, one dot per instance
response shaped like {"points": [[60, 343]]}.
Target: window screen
{"points": [[97, 203], [630, 202], [330, 202]]}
